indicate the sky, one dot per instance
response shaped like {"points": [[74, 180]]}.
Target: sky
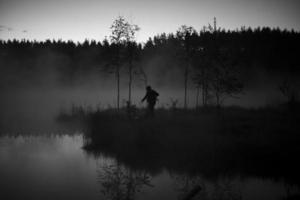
{"points": [[91, 19]]}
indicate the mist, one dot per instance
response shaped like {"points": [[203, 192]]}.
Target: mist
{"points": [[34, 100], [38, 80]]}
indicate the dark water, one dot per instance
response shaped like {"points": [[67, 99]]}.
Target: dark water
{"points": [[56, 167]]}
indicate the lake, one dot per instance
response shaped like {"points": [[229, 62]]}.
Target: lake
{"points": [[57, 167]]}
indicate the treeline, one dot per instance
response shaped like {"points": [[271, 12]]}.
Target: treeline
{"points": [[274, 48], [196, 53]]}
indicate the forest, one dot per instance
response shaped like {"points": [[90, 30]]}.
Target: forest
{"points": [[217, 63]]}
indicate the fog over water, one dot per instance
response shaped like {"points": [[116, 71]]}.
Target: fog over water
{"points": [[38, 99]]}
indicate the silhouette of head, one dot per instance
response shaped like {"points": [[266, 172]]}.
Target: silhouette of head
{"points": [[148, 88]]}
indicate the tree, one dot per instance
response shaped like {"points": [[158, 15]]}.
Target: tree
{"points": [[123, 33], [225, 80], [132, 56], [218, 75], [202, 63], [288, 89], [187, 36]]}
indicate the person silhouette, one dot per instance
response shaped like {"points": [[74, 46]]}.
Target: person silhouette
{"points": [[151, 97]]}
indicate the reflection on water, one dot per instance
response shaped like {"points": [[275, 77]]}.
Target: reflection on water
{"points": [[197, 188], [119, 182], [56, 167]]}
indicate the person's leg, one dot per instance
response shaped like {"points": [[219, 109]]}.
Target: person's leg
{"points": [[152, 110], [148, 111]]}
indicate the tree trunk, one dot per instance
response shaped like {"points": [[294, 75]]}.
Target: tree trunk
{"points": [[186, 73], [197, 96], [118, 87], [130, 83], [203, 94], [218, 100]]}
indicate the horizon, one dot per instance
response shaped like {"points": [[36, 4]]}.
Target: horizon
{"points": [[141, 42], [78, 20]]}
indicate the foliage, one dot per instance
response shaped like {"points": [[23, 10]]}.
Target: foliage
{"points": [[123, 31]]}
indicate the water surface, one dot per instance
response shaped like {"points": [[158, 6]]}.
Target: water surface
{"points": [[57, 167]]}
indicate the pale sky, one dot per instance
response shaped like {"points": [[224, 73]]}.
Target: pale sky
{"points": [[91, 19]]}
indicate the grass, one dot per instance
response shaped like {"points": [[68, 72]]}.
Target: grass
{"points": [[260, 142]]}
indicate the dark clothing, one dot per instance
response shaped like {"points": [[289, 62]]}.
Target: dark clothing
{"points": [[151, 97]]}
